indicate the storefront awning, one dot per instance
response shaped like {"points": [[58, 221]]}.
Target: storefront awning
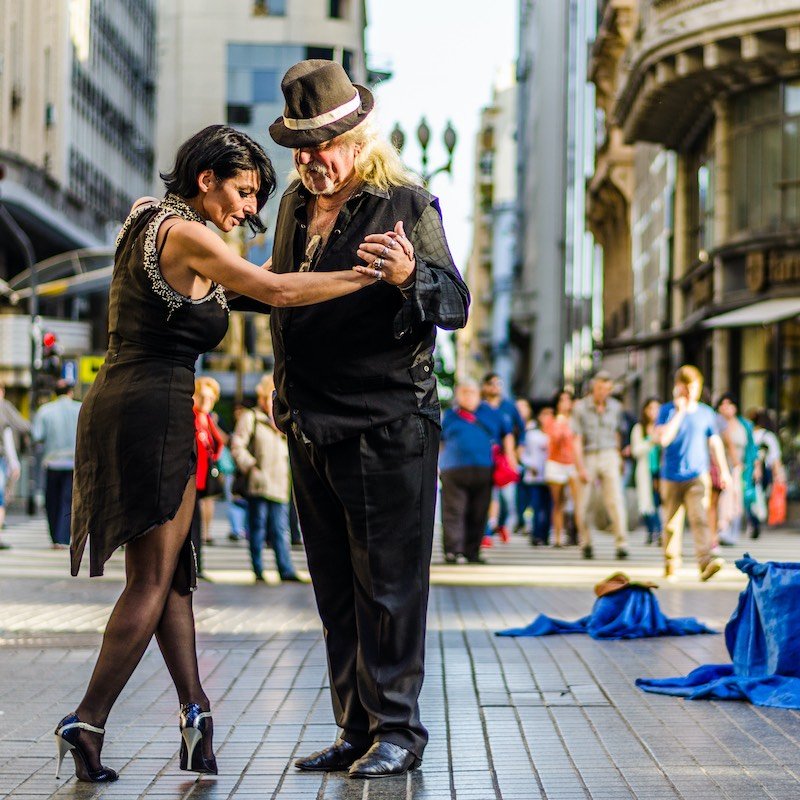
{"points": [[765, 312]]}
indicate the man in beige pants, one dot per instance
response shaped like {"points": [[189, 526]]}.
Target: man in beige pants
{"points": [[686, 429], [597, 421]]}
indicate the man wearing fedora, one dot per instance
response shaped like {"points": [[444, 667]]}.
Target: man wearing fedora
{"points": [[356, 395]]}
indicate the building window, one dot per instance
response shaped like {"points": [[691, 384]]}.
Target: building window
{"points": [[269, 8], [320, 52], [702, 187], [765, 158], [347, 63], [239, 114], [265, 86], [337, 9]]}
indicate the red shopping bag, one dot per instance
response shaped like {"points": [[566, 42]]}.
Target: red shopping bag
{"points": [[777, 505]]}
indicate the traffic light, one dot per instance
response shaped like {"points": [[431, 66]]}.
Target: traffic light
{"points": [[50, 371]]}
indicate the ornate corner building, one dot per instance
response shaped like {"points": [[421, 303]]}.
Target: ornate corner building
{"points": [[701, 100]]}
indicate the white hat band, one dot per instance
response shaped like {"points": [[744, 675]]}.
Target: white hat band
{"points": [[324, 119]]}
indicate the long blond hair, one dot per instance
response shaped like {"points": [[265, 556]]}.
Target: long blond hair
{"points": [[377, 162]]}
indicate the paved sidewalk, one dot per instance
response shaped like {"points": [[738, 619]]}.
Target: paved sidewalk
{"points": [[519, 719]]}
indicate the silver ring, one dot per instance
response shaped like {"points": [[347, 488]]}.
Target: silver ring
{"points": [[385, 251], [379, 275], [378, 263]]}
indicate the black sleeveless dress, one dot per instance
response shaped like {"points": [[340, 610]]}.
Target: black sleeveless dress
{"points": [[135, 450]]}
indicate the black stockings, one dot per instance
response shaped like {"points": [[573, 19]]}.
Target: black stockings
{"points": [[148, 605]]}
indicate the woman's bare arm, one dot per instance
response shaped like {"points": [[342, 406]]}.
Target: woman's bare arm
{"points": [[206, 254]]}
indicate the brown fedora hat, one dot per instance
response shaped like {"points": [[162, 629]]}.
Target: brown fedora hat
{"points": [[618, 581], [321, 103]]}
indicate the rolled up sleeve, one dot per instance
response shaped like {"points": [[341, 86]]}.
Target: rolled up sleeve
{"points": [[439, 294]]}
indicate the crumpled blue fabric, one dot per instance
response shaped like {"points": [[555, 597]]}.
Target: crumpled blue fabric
{"points": [[762, 640], [630, 613]]}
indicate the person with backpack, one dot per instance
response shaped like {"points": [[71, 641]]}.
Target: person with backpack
{"points": [[261, 454]]}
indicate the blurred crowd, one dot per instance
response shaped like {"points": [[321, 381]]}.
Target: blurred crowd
{"points": [[552, 470], [556, 469]]}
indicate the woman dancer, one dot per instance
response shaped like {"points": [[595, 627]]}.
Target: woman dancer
{"points": [[135, 458]]}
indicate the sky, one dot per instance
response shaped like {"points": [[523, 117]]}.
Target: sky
{"points": [[445, 56]]}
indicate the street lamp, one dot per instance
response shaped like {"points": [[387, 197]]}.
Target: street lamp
{"points": [[398, 139]]}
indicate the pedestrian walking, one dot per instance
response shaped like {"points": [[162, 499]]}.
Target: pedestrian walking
{"points": [[560, 472], [469, 432], [209, 441], [236, 505], [135, 459], [11, 418], [262, 456], [769, 469], [534, 493], [731, 502], [502, 514], [356, 396], [686, 430], [598, 424], [54, 428], [647, 456], [9, 473]]}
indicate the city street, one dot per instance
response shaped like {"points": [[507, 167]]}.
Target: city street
{"points": [[518, 719]]}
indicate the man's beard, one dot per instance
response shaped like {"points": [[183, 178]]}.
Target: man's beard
{"points": [[307, 170]]}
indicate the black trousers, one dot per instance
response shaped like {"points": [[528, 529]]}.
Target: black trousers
{"points": [[466, 494], [366, 507], [58, 503]]}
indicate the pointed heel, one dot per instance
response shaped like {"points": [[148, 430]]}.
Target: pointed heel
{"points": [[191, 738], [194, 725], [67, 741], [62, 748]]}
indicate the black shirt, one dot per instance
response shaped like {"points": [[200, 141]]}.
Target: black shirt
{"points": [[366, 359]]}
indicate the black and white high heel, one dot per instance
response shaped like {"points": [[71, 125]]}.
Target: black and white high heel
{"points": [[193, 727], [66, 734]]}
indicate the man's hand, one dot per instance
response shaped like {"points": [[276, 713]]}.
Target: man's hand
{"points": [[391, 253], [583, 475]]}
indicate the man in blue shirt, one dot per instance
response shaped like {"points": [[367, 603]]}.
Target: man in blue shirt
{"points": [[55, 427], [469, 430], [505, 498], [686, 429]]}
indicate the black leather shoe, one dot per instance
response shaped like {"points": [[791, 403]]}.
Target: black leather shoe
{"points": [[339, 756], [383, 760]]}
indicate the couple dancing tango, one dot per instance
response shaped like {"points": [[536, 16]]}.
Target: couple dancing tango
{"points": [[360, 276]]}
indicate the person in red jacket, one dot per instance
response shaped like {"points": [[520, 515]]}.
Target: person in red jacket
{"points": [[210, 440]]}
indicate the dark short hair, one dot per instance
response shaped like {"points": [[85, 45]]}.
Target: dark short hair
{"points": [[225, 151], [489, 376], [726, 396], [63, 386]]}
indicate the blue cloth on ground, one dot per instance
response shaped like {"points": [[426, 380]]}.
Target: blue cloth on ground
{"points": [[762, 640], [630, 613]]}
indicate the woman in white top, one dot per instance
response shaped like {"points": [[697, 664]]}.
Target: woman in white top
{"points": [[647, 455]]}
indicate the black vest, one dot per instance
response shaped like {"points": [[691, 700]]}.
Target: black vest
{"points": [[339, 368]]}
